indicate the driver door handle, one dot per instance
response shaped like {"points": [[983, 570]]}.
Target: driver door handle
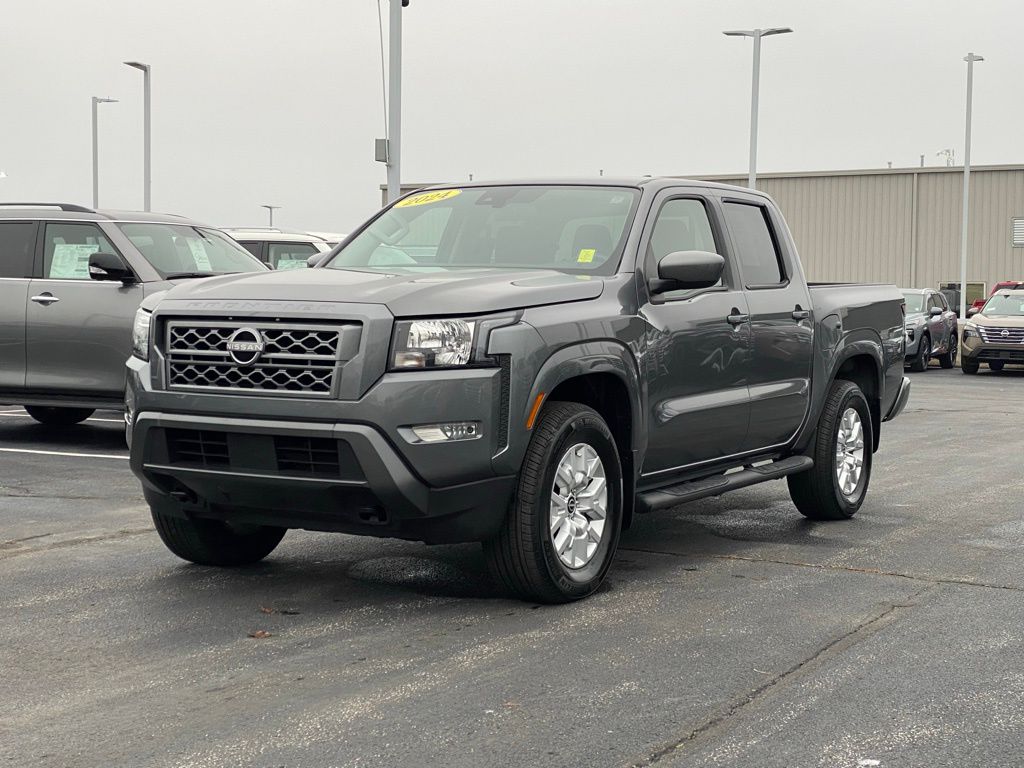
{"points": [[46, 299], [737, 318], [801, 314]]}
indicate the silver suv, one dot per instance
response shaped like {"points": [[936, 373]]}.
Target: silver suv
{"points": [[71, 280]]}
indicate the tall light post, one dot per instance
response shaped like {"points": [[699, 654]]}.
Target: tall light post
{"points": [[757, 34], [970, 58], [96, 101], [147, 179], [270, 210], [389, 149]]}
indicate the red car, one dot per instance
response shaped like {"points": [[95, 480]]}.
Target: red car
{"points": [[1012, 285]]}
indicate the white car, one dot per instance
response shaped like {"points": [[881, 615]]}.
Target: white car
{"points": [[331, 238], [278, 248]]}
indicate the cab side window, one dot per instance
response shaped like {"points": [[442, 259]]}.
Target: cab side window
{"points": [[67, 248], [759, 257], [289, 255], [682, 225], [17, 241]]}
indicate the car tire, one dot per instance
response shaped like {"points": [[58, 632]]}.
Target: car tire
{"points": [[996, 365], [920, 361], [968, 367], [215, 542], [818, 493], [58, 417], [524, 556], [948, 360]]}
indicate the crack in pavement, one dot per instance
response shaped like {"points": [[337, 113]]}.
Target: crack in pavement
{"points": [[122, 534], [827, 567], [837, 645]]}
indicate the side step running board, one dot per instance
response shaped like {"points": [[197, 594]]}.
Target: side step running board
{"points": [[719, 484]]}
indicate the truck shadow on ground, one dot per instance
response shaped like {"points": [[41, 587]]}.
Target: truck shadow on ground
{"points": [[25, 433]]}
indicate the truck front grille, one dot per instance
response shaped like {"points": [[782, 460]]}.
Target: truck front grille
{"points": [[295, 359], [316, 456], [993, 335], [198, 447]]}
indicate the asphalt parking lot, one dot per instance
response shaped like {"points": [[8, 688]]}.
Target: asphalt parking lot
{"points": [[731, 631]]}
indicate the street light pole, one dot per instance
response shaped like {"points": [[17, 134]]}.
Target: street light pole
{"points": [[270, 210], [755, 87], [96, 101], [394, 151], [970, 58], [147, 179]]}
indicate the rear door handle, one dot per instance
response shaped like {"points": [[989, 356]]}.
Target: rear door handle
{"points": [[45, 299], [737, 319], [801, 314]]}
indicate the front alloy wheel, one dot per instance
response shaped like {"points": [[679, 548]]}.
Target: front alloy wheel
{"points": [[579, 503]]}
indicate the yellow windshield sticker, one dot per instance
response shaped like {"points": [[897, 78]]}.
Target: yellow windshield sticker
{"points": [[425, 198], [586, 255]]}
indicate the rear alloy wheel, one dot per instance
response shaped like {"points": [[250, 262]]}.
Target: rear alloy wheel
{"points": [[968, 366], [562, 527], [215, 542], [920, 361], [996, 365], [58, 417], [948, 360], [836, 486]]}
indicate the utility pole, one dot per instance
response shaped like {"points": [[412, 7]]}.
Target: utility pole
{"points": [[96, 101], [394, 139], [270, 210], [970, 58]]}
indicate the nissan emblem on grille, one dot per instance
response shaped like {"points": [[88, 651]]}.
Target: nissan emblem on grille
{"points": [[245, 346], [1005, 332]]}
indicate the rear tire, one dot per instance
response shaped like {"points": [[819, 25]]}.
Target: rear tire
{"points": [[948, 360], [817, 492], [996, 365], [58, 417], [968, 367], [524, 556], [920, 361], [215, 542]]}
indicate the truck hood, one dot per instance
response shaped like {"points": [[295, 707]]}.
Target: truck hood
{"points": [[459, 291]]}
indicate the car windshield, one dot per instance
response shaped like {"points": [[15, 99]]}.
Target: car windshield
{"points": [[915, 302], [571, 229], [180, 250], [1005, 304]]}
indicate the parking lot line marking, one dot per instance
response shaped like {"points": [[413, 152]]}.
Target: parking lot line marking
{"points": [[65, 453]]}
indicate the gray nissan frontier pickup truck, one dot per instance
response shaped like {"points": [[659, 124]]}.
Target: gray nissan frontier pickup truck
{"points": [[528, 365]]}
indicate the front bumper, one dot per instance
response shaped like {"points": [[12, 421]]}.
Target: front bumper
{"points": [[975, 350], [318, 476]]}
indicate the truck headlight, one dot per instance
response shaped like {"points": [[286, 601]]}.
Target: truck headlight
{"points": [[910, 333], [433, 344], [140, 333]]}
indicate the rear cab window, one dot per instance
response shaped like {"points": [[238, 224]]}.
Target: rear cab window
{"points": [[17, 244], [756, 246]]}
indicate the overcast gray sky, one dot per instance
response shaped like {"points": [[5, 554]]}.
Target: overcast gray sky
{"points": [[279, 101]]}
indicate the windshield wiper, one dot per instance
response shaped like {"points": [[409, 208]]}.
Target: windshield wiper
{"points": [[177, 275]]}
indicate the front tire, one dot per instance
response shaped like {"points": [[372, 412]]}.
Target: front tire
{"points": [[920, 361], [968, 367], [948, 360], [562, 528], [835, 487], [996, 365], [58, 417], [215, 542]]}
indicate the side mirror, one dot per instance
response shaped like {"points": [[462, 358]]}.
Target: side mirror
{"points": [[110, 266], [935, 311], [688, 269], [313, 260], [973, 311]]}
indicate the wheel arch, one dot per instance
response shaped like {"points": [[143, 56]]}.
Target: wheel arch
{"points": [[860, 363]]}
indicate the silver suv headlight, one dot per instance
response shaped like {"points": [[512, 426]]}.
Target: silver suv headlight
{"points": [[140, 333], [970, 329]]}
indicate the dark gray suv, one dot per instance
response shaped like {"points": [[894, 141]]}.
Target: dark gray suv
{"points": [[71, 280]]}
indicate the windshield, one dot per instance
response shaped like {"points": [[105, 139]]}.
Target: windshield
{"points": [[571, 229], [1005, 304], [915, 302], [179, 250]]}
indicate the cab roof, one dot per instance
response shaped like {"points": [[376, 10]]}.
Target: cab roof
{"points": [[655, 183]]}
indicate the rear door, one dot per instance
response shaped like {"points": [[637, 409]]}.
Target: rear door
{"points": [[780, 323], [17, 245], [79, 330]]}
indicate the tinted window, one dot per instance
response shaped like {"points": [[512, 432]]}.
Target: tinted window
{"points": [[67, 248], [682, 225], [253, 248], [289, 255], [759, 259], [17, 240]]}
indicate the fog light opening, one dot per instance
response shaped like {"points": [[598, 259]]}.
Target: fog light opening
{"points": [[447, 432]]}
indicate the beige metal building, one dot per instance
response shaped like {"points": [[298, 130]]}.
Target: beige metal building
{"points": [[902, 225]]}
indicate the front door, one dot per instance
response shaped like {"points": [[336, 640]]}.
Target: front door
{"points": [[781, 324], [17, 244], [697, 348], [78, 330]]}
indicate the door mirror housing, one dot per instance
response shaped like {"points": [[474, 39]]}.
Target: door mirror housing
{"points": [[688, 269], [973, 311], [935, 311], [110, 266], [314, 260]]}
